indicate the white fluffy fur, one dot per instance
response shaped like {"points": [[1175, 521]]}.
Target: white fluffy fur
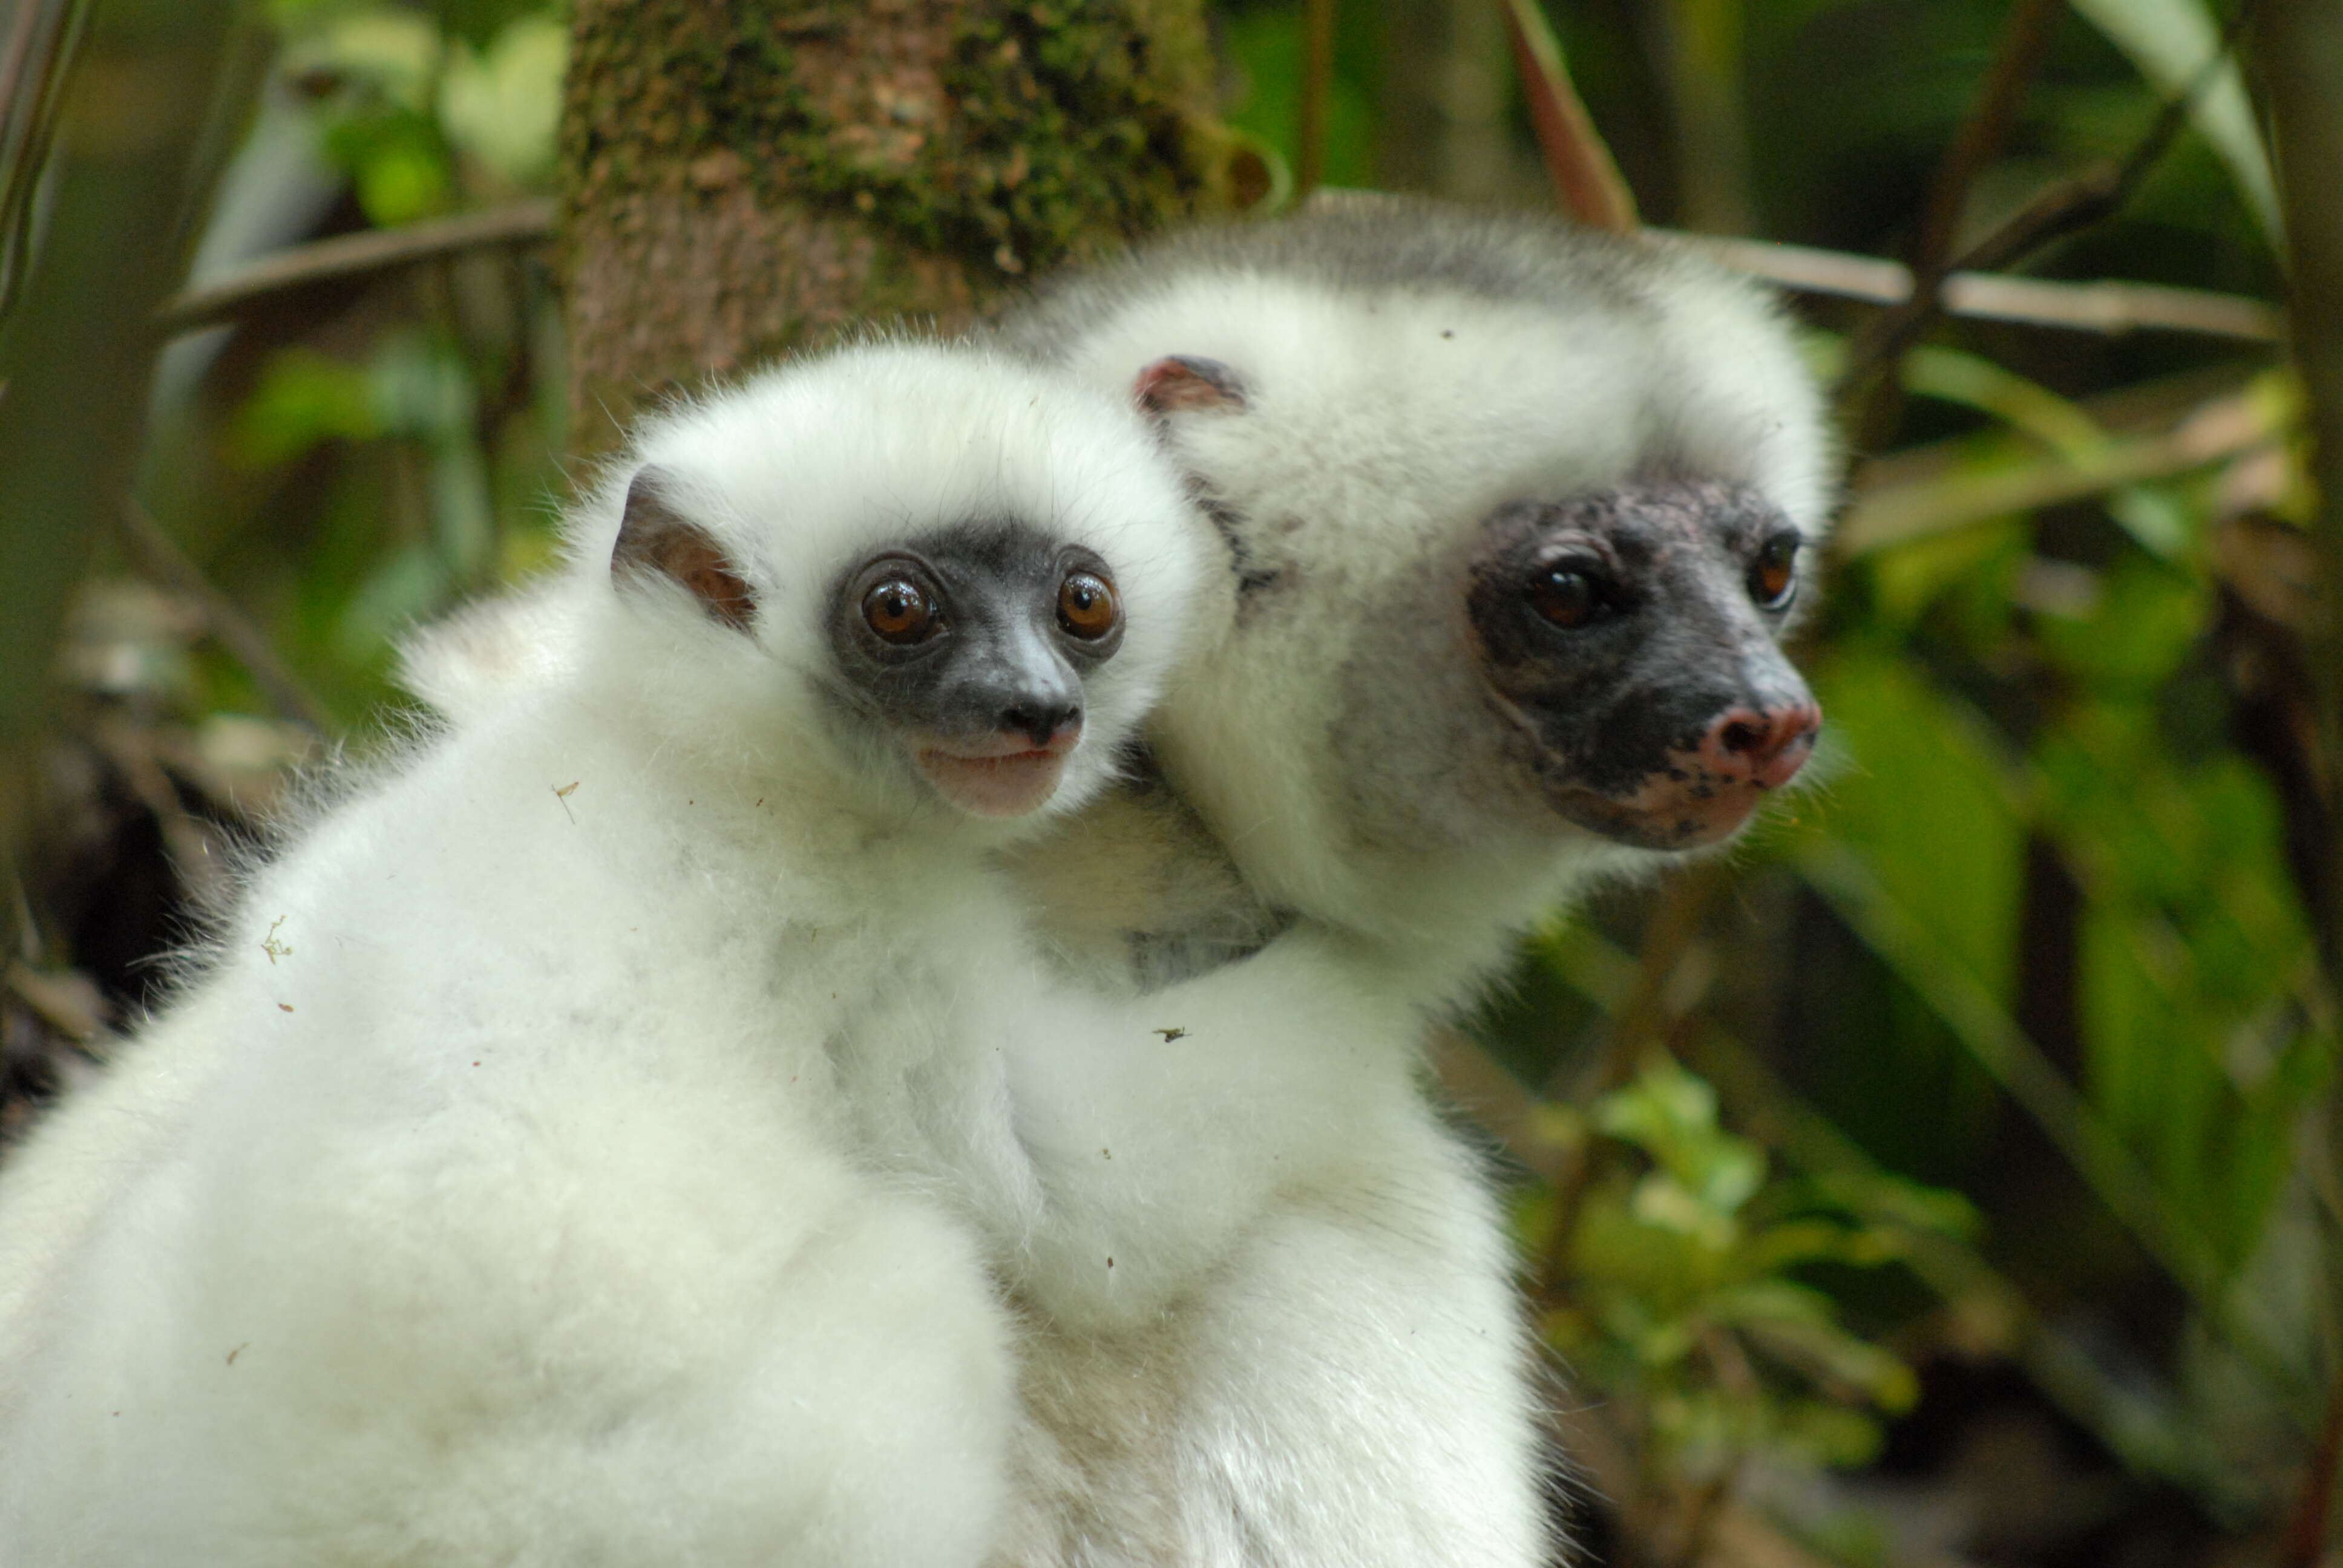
{"points": [[596, 1140], [1353, 1387], [591, 1305], [1336, 739]]}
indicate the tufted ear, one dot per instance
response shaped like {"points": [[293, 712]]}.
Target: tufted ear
{"points": [[1181, 382], [654, 538]]}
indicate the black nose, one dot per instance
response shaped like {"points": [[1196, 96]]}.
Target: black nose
{"points": [[1041, 720]]}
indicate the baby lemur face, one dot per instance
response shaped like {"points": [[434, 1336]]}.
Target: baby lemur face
{"points": [[1631, 637], [970, 646]]}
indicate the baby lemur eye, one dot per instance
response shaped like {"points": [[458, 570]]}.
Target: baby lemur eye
{"points": [[899, 611], [1569, 597], [1774, 579], [1087, 607]]}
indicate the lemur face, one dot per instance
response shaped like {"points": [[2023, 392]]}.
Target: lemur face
{"points": [[971, 647], [966, 648], [1629, 637], [1609, 659]]}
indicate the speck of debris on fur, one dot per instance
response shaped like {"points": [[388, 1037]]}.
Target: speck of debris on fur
{"points": [[271, 946], [1171, 1034]]}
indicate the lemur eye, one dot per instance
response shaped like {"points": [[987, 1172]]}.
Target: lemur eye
{"points": [[1774, 579], [899, 611], [1568, 598], [1087, 607]]}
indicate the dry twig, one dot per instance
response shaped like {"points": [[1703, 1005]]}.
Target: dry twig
{"points": [[152, 551], [350, 256], [1978, 142], [1586, 181], [2109, 308], [2064, 208], [1317, 85], [1922, 491]]}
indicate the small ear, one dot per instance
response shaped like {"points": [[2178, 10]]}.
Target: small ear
{"points": [[1179, 382], [654, 538]]}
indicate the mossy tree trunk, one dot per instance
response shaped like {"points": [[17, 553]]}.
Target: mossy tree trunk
{"points": [[746, 175]]}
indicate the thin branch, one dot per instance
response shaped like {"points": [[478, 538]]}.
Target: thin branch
{"points": [[1979, 141], [2066, 208], [350, 256], [1586, 181], [68, 1004], [1637, 1034], [1930, 490], [2299, 50], [1317, 85], [153, 553], [2109, 308], [187, 839], [2024, 39]]}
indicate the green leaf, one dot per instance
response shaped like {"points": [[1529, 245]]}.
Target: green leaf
{"points": [[1931, 805], [2171, 42], [502, 105], [1671, 1115], [304, 398], [1970, 379]]}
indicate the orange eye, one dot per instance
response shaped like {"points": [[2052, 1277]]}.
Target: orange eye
{"points": [[1775, 577], [1086, 605], [899, 611], [1566, 598]]}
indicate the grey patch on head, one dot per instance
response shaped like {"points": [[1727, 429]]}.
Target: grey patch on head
{"points": [[1375, 246]]}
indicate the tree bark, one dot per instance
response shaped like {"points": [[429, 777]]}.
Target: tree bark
{"points": [[2299, 56], [746, 175]]}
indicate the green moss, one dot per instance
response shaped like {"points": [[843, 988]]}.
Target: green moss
{"points": [[679, 80], [1072, 129], [1066, 124]]}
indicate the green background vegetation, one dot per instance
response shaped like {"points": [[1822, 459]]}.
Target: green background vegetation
{"points": [[1945, 1175]]}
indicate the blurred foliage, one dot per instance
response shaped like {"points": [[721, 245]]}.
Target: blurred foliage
{"points": [[1977, 1092], [1686, 1283]]}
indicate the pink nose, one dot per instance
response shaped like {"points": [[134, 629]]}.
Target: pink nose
{"points": [[1766, 746]]}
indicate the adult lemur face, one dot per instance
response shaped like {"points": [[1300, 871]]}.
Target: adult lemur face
{"points": [[1512, 515], [1630, 636]]}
